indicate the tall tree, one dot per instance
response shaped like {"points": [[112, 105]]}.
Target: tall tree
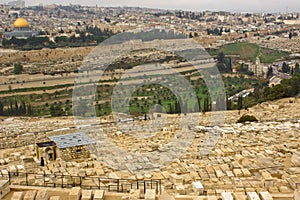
{"points": [[18, 67], [285, 68], [16, 108], [297, 69], [29, 110], [290, 35], [199, 103], [171, 110], [1, 109], [270, 72], [177, 107], [221, 57], [240, 103]]}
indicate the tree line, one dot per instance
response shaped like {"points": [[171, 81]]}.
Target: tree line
{"points": [[201, 105], [89, 36], [15, 108]]}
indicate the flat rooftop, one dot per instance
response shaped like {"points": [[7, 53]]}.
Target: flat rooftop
{"points": [[72, 140], [46, 144]]}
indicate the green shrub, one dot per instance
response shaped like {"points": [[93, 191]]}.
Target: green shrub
{"points": [[247, 118], [18, 68]]}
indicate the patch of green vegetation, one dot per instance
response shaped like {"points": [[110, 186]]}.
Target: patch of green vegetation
{"points": [[246, 51], [287, 88], [249, 52], [18, 90], [236, 84], [59, 103], [103, 109], [247, 118], [271, 55], [18, 67], [141, 100]]}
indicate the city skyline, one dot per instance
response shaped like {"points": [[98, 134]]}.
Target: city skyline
{"points": [[228, 5]]}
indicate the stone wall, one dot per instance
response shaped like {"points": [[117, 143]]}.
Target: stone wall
{"points": [[72, 153]]}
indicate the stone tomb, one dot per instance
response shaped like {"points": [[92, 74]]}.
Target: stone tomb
{"points": [[4, 188], [86, 195], [150, 195], [265, 196], [42, 195], [226, 196], [252, 196], [17, 196], [30, 195], [198, 187], [72, 146], [99, 195], [297, 195], [75, 193]]}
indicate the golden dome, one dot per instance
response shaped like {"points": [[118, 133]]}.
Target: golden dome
{"points": [[21, 23]]}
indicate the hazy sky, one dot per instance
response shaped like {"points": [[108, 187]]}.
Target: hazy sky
{"points": [[200, 5]]}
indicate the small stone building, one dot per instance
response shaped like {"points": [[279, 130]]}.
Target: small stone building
{"points": [[46, 150], [72, 146]]}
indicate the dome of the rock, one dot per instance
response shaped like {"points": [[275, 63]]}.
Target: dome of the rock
{"points": [[21, 23]]}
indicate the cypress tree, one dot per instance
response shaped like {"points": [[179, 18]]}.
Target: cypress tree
{"points": [[1, 109]]}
